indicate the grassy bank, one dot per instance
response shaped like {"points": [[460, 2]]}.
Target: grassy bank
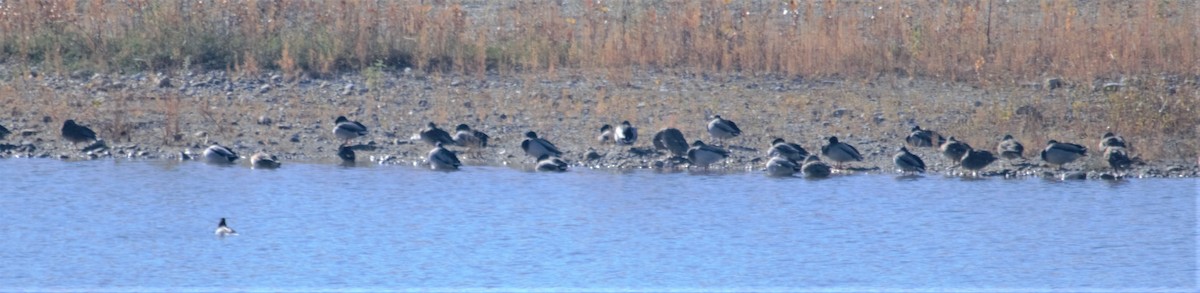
{"points": [[986, 41]]}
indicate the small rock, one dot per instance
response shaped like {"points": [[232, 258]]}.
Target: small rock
{"points": [[264, 88], [295, 138], [165, 82], [264, 120], [200, 134], [839, 112]]}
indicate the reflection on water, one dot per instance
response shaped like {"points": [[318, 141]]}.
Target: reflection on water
{"points": [[103, 224]]}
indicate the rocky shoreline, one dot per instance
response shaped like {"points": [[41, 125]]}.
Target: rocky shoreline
{"points": [[157, 116]]}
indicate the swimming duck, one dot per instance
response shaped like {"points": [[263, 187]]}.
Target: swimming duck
{"points": [[781, 167], [703, 155], [672, 140], [551, 164], [1010, 148], [536, 147], [626, 134], [441, 158], [721, 129], [76, 133], [908, 162], [223, 230], [976, 160], [790, 151], [217, 154], [840, 152], [1061, 153], [262, 160], [814, 168], [923, 137], [606, 134], [434, 135], [346, 130], [954, 149]]}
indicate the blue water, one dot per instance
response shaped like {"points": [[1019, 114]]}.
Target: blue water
{"points": [[138, 225]]}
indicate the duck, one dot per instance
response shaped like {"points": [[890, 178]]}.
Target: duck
{"points": [[976, 160], [223, 230], [908, 162], [923, 137], [441, 158], [672, 140], [547, 163], [721, 129], [702, 155], [1061, 153], [840, 152], [76, 133], [346, 153], [536, 147], [606, 134], [815, 168], [473, 140], [626, 134], [1010, 149], [347, 130], [434, 135], [1118, 158], [781, 167], [1111, 140], [262, 160], [220, 155], [790, 151], [954, 149]]}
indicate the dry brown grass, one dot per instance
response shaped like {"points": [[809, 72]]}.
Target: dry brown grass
{"points": [[1147, 45], [985, 41]]}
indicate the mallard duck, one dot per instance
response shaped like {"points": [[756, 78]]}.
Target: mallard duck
{"points": [[76, 133], [672, 140], [1111, 140], [1010, 149], [347, 130], [441, 158], [626, 134], [703, 155], [815, 168], [1061, 153], [217, 154], [781, 167], [346, 153], [536, 147], [976, 160], [790, 151], [721, 129], [954, 149], [908, 162], [549, 163], [434, 135], [840, 152], [924, 138], [262, 160], [1118, 158], [606, 134]]}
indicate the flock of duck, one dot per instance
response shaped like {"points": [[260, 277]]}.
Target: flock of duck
{"points": [[785, 158]]}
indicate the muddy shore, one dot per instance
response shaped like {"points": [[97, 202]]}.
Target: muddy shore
{"points": [[164, 116]]}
